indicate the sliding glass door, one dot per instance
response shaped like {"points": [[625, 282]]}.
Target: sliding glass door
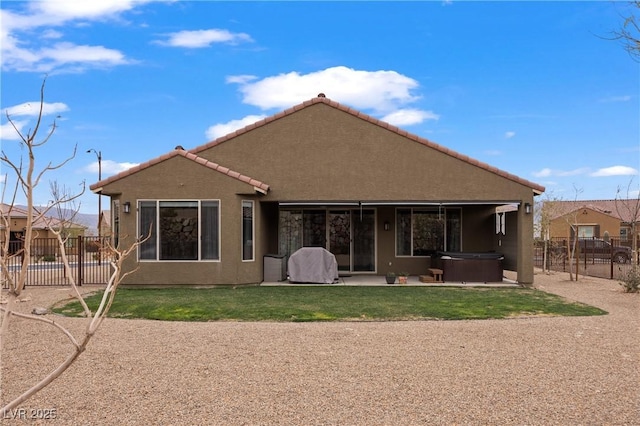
{"points": [[340, 238], [347, 233], [364, 240]]}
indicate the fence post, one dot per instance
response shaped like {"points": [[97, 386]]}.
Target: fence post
{"points": [[612, 242], [80, 259]]}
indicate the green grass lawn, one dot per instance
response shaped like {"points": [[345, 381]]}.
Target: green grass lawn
{"points": [[333, 304]]}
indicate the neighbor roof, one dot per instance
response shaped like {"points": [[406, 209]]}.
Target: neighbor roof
{"points": [[40, 222], [622, 209]]}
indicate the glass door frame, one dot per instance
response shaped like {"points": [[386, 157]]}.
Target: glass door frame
{"points": [[354, 214]]}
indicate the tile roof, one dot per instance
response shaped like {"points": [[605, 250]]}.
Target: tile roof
{"points": [[623, 209], [258, 185], [322, 99], [191, 154]]}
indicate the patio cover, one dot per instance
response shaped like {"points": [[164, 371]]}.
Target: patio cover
{"points": [[313, 265]]}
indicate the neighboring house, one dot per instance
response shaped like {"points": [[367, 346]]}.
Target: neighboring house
{"points": [[603, 219], [16, 217], [317, 174]]}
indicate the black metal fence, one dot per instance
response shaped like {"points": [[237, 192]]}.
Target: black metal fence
{"points": [[88, 261], [611, 258]]}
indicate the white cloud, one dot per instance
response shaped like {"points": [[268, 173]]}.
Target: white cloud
{"points": [[65, 55], [574, 172], [223, 129], [615, 171], [204, 38], [509, 135], [240, 79], [407, 117], [63, 10], [603, 172], [109, 167], [20, 52], [27, 109], [69, 52], [623, 98], [51, 34], [546, 172], [8, 132], [385, 94], [380, 91], [32, 109]]}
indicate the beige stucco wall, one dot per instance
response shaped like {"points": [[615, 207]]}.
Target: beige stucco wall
{"points": [[319, 154], [179, 178]]}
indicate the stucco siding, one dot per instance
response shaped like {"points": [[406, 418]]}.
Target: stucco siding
{"points": [[320, 153], [181, 179]]}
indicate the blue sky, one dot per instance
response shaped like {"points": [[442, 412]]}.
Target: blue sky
{"points": [[533, 88]]}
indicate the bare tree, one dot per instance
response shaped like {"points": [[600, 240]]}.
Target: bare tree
{"points": [[572, 248], [629, 32], [546, 211], [27, 179], [570, 251]]}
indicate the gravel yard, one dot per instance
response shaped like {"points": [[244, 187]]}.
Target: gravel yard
{"points": [[521, 371]]}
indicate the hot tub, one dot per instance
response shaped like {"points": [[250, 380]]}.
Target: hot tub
{"points": [[478, 267]]}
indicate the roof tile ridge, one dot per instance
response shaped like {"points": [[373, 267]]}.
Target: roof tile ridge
{"points": [[224, 170]]}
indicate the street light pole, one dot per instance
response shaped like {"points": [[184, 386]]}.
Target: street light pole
{"points": [[99, 155]]}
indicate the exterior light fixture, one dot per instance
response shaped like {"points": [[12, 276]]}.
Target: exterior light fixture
{"points": [[126, 207], [527, 208]]}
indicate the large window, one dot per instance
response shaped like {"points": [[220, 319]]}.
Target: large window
{"points": [[179, 230], [586, 231], [423, 232], [247, 230]]}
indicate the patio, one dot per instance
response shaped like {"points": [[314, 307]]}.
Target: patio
{"points": [[414, 280]]}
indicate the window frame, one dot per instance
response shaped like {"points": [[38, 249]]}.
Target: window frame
{"points": [[155, 233], [586, 231], [243, 241], [445, 235]]}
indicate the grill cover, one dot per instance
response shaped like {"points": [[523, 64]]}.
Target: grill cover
{"points": [[313, 265]]}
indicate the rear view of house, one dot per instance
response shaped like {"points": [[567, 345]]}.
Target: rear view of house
{"points": [[318, 174]]}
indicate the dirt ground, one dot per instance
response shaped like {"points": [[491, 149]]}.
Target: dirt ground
{"points": [[528, 370]]}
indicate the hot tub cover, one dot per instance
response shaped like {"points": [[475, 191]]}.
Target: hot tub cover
{"points": [[313, 265]]}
